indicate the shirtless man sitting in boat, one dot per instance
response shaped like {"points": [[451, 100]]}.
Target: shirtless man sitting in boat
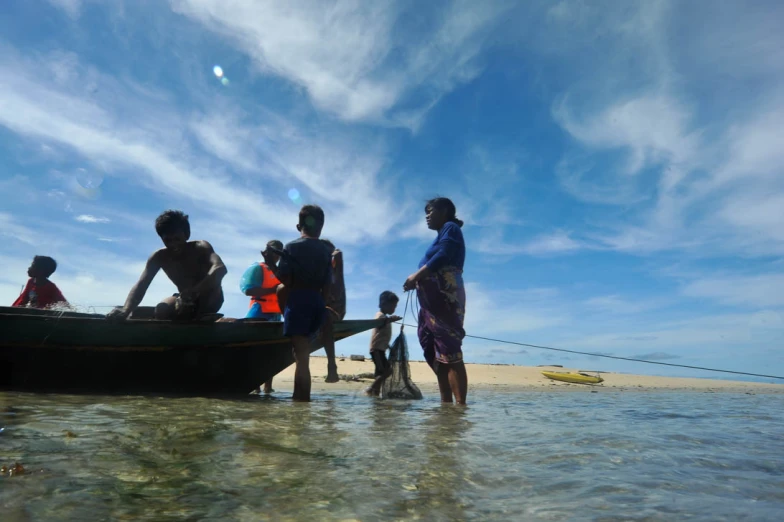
{"points": [[193, 266]]}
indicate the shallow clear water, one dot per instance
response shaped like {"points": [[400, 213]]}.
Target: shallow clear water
{"points": [[509, 456]]}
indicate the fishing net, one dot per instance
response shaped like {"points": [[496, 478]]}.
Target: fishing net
{"points": [[399, 385]]}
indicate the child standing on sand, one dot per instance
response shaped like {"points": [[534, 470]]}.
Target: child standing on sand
{"points": [[379, 340], [39, 292]]}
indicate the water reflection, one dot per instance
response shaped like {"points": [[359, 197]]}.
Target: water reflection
{"points": [[439, 485], [349, 457]]}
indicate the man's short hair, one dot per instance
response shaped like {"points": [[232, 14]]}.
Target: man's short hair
{"points": [[45, 264], [311, 219], [172, 221]]}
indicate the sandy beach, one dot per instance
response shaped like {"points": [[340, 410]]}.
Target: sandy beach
{"points": [[515, 378]]}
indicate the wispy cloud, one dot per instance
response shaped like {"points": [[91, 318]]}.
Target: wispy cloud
{"points": [[71, 7], [706, 186], [557, 242], [9, 227], [350, 58], [616, 304], [87, 218], [756, 291], [657, 356]]}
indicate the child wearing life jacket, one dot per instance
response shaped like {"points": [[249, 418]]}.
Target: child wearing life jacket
{"points": [[260, 283], [39, 292]]}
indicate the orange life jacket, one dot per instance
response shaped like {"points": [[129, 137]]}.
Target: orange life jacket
{"points": [[269, 302]]}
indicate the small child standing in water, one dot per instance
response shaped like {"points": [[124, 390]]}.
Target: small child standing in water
{"points": [[39, 292], [379, 340]]}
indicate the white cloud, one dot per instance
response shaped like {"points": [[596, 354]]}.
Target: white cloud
{"points": [[87, 218], [557, 242], [758, 291], [10, 228], [694, 174], [504, 312], [357, 60], [652, 128], [71, 7], [616, 304], [337, 170]]}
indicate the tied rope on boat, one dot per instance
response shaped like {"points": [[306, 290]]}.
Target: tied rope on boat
{"points": [[540, 347]]}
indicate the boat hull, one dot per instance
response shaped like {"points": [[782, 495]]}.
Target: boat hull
{"points": [[573, 377], [69, 352]]}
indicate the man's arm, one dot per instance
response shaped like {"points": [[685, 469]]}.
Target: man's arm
{"points": [[214, 276], [136, 294]]}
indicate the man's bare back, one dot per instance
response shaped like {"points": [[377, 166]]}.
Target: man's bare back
{"points": [[194, 268]]}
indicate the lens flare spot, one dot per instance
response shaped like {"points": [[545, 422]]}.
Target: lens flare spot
{"points": [[293, 194], [225, 81], [218, 71], [88, 179]]}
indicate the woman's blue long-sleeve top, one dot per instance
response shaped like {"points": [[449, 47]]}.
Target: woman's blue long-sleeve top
{"points": [[448, 249]]}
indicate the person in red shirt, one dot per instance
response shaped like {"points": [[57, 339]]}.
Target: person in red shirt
{"points": [[39, 292]]}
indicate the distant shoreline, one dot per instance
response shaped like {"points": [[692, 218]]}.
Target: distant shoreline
{"points": [[512, 378]]}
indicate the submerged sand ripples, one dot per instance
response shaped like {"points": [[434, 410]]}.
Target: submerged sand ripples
{"points": [[527, 456]]}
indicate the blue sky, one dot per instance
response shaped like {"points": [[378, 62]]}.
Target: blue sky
{"points": [[618, 164]]}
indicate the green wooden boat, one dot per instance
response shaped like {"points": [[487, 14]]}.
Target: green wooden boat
{"points": [[42, 350]]}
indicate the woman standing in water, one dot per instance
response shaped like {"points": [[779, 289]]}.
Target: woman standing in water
{"points": [[441, 294]]}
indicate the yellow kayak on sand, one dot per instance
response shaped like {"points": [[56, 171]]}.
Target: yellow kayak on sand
{"points": [[574, 377]]}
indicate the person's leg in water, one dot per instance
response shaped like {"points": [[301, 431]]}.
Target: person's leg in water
{"points": [[328, 337], [454, 377], [428, 342], [301, 348], [303, 316], [383, 372]]}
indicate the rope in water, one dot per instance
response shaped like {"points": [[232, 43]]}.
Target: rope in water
{"points": [[540, 347]]}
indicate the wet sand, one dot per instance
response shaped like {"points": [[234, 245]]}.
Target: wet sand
{"points": [[517, 378]]}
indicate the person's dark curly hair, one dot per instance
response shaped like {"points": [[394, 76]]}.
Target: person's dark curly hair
{"points": [[45, 265], [387, 297], [172, 221]]}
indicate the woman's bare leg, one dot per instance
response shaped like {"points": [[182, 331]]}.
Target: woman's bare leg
{"points": [[442, 373], [458, 382]]}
